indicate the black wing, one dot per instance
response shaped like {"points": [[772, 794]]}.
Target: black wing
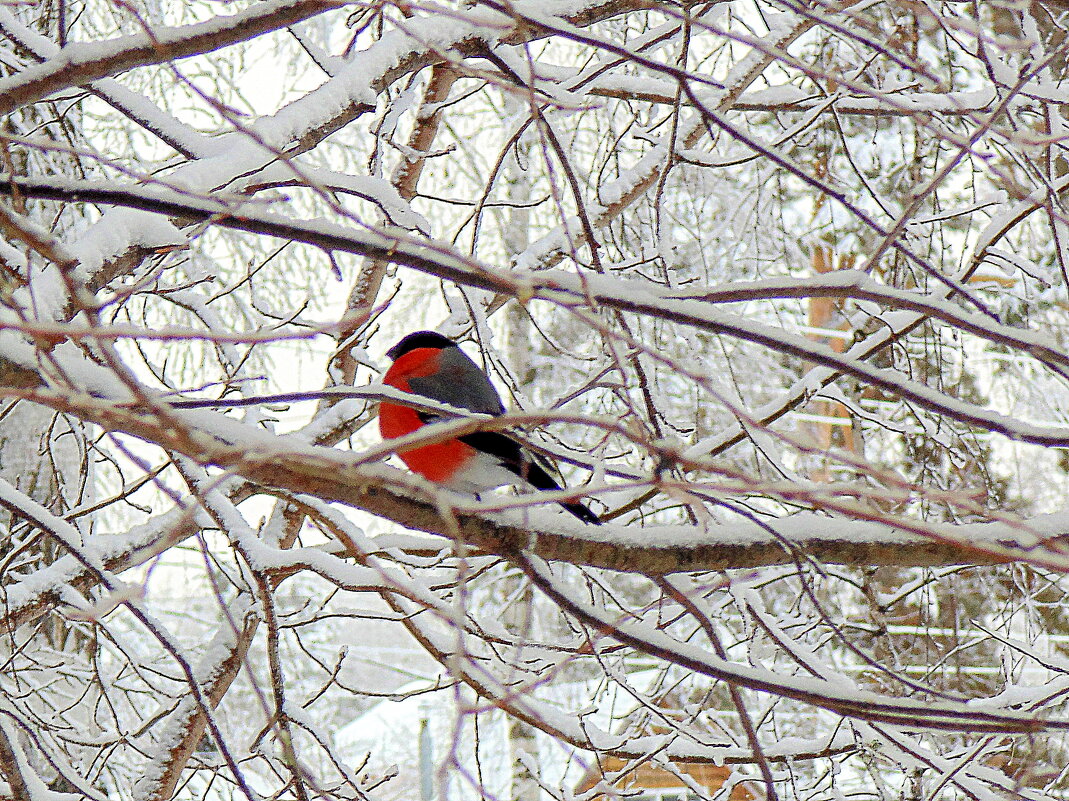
{"points": [[515, 459]]}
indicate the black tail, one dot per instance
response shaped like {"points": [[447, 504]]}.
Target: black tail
{"points": [[513, 457], [582, 513], [538, 478]]}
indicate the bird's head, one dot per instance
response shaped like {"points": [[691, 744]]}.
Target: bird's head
{"points": [[419, 339]]}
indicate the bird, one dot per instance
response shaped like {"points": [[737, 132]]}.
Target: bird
{"points": [[432, 365]]}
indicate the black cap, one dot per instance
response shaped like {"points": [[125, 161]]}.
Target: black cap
{"points": [[419, 339]]}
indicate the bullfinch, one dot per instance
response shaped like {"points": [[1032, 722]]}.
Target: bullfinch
{"points": [[432, 365]]}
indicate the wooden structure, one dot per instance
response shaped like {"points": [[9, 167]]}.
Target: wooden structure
{"points": [[649, 782]]}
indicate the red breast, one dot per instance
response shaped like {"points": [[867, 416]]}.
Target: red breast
{"points": [[441, 461]]}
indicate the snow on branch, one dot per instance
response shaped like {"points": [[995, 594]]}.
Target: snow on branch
{"points": [[81, 63]]}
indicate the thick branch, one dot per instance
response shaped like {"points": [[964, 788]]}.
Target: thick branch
{"points": [[560, 288], [281, 463]]}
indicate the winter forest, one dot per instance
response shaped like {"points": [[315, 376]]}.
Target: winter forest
{"points": [[781, 286]]}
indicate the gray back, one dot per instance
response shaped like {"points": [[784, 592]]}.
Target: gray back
{"points": [[459, 383]]}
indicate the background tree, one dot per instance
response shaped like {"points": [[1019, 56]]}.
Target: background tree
{"points": [[781, 285]]}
